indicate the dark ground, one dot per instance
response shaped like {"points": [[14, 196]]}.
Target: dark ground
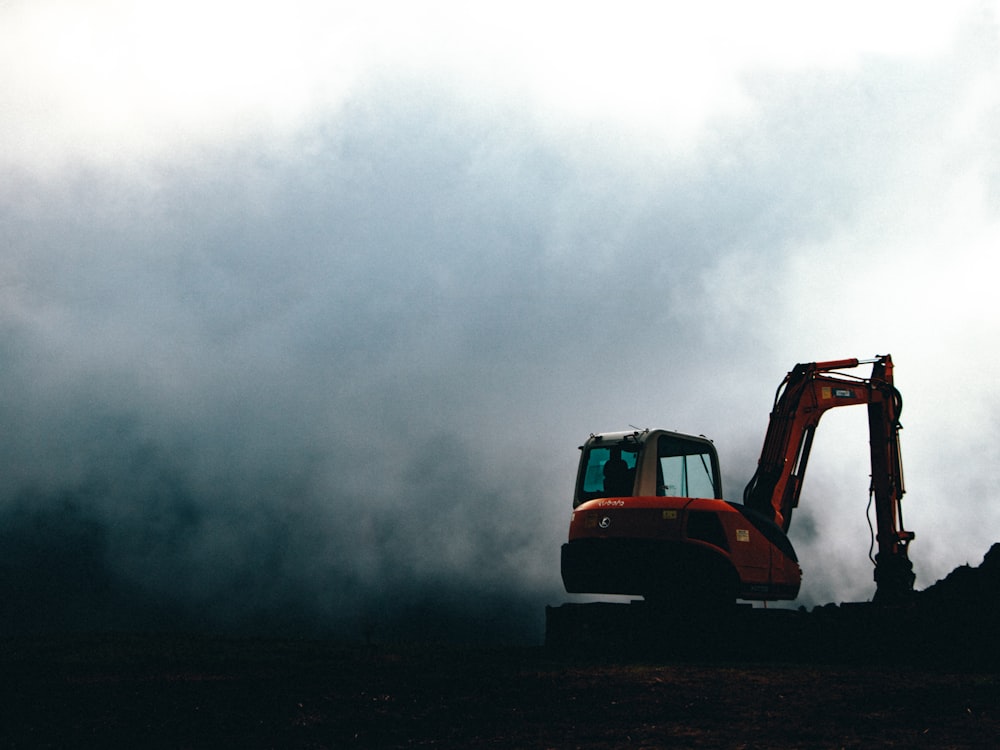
{"points": [[926, 676], [190, 692]]}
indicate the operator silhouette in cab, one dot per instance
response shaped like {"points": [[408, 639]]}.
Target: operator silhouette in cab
{"points": [[618, 477]]}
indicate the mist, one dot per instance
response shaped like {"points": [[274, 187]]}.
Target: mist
{"points": [[326, 373]]}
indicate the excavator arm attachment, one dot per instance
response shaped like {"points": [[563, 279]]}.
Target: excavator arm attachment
{"points": [[806, 393]]}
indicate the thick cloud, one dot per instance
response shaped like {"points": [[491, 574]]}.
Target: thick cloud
{"points": [[331, 378]]}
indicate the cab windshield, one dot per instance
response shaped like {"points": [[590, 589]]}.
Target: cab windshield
{"points": [[609, 472]]}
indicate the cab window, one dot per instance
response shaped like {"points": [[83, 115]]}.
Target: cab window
{"points": [[684, 469]]}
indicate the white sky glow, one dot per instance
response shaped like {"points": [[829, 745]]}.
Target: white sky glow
{"points": [[104, 78]]}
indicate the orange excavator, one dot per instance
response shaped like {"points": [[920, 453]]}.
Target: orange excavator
{"points": [[649, 518]]}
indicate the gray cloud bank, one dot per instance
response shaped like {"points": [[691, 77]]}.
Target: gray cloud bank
{"points": [[334, 382]]}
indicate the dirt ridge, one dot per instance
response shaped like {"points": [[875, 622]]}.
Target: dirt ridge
{"points": [[951, 622]]}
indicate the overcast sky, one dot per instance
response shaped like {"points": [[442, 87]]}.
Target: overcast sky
{"points": [[306, 307]]}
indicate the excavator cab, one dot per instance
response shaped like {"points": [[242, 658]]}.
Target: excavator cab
{"points": [[649, 519]]}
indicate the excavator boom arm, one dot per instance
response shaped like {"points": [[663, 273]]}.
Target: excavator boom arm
{"points": [[805, 394]]}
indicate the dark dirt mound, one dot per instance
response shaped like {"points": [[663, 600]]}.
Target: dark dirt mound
{"points": [[966, 588]]}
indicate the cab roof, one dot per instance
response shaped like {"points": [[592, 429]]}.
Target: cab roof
{"points": [[640, 436]]}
